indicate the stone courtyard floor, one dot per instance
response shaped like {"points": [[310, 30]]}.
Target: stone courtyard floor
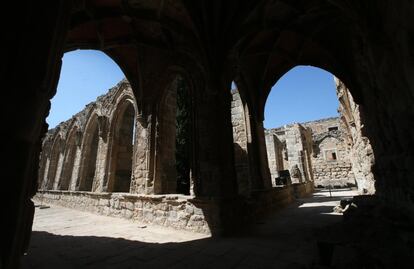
{"points": [[66, 238]]}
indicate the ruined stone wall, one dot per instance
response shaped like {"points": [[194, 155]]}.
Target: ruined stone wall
{"points": [[330, 159], [331, 163], [291, 151], [319, 149], [82, 153], [323, 125], [298, 148], [274, 155], [176, 211], [360, 150]]}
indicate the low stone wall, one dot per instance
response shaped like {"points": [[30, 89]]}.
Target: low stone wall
{"points": [[176, 211], [267, 201], [338, 174], [303, 189]]}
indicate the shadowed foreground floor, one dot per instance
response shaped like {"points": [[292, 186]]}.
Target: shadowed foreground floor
{"points": [[66, 238]]}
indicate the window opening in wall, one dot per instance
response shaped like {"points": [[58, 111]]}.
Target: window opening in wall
{"points": [[330, 155], [183, 141], [301, 110], [122, 149]]}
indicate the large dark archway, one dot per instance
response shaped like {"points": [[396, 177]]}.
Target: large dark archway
{"points": [[372, 57], [301, 111]]}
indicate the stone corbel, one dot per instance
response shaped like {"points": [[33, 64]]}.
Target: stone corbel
{"points": [[142, 119], [78, 138], [103, 126]]}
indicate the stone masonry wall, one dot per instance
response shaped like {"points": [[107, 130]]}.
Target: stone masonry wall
{"points": [[274, 155], [296, 147], [328, 171], [240, 144], [176, 211], [319, 149], [361, 153]]}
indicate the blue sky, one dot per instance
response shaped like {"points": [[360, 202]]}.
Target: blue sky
{"points": [[84, 76], [304, 93]]}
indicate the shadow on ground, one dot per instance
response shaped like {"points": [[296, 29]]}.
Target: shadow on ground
{"points": [[285, 239]]}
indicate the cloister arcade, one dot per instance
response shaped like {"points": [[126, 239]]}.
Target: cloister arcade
{"points": [[366, 44]]}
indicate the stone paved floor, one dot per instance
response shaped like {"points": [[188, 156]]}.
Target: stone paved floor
{"points": [[66, 238]]}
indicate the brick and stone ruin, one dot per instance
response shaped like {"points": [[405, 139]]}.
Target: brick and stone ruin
{"points": [[368, 45], [105, 160]]}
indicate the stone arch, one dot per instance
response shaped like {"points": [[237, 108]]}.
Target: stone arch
{"points": [[90, 144], [165, 172], [122, 137], [174, 157], [71, 149], [44, 163], [55, 162], [321, 138]]}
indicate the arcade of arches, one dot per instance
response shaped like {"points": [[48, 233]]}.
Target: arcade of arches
{"points": [[101, 159], [366, 44]]}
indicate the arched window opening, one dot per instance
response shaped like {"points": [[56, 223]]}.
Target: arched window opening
{"points": [[85, 75], [309, 134], [90, 156], [53, 169], [122, 149], [183, 141], [69, 161], [174, 142]]}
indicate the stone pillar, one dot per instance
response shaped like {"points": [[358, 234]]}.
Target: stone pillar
{"points": [[240, 140], [59, 167], [101, 155], [215, 173], [262, 180], [101, 163], [37, 41], [76, 167], [45, 174], [142, 180]]}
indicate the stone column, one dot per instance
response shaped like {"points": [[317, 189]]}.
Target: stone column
{"points": [[37, 42], [262, 179], [45, 173], [59, 167], [215, 172], [76, 166], [240, 140], [142, 179]]}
